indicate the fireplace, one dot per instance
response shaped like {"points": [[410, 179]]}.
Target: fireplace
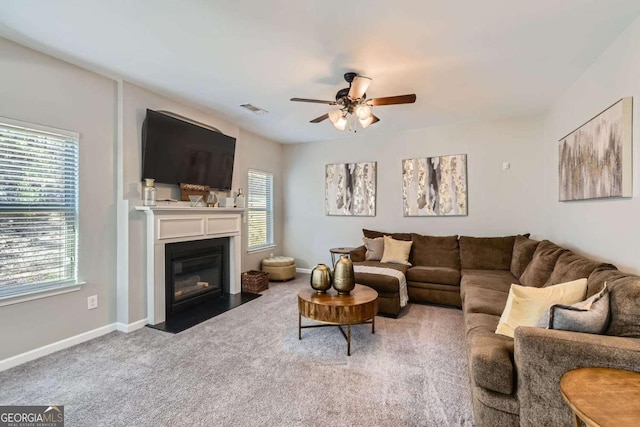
{"points": [[196, 273]]}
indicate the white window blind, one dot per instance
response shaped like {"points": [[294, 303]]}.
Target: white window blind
{"points": [[260, 204], [38, 208]]}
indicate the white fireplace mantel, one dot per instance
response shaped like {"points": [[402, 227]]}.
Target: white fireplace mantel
{"points": [[170, 224]]}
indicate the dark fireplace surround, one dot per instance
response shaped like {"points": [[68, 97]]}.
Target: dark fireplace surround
{"points": [[196, 273]]}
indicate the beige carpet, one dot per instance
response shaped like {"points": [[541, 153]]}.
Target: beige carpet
{"points": [[247, 367]]}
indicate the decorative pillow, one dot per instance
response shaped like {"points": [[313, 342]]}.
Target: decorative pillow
{"points": [[375, 248], [396, 251], [525, 305], [590, 316]]}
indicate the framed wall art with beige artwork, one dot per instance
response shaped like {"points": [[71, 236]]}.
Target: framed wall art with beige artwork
{"points": [[594, 161], [435, 186], [350, 189]]}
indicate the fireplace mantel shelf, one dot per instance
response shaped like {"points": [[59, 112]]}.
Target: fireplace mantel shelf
{"points": [[182, 208]]}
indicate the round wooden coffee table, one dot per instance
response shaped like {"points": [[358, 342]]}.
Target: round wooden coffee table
{"points": [[602, 396], [331, 309]]}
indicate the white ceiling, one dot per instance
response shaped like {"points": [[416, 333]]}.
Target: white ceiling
{"points": [[466, 60]]}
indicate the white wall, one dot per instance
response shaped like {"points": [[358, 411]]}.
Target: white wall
{"points": [[252, 151], [500, 202], [605, 229], [39, 89]]}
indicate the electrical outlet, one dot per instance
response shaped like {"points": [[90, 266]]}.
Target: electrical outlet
{"points": [[506, 166], [92, 302]]}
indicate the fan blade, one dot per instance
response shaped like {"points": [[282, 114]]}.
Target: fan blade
{"points": [[358, 87], [315, 101], [375, 119], [391, 100], [319, 119]]}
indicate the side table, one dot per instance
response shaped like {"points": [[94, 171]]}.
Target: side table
{"points": [[338, 251], [602, 396]]}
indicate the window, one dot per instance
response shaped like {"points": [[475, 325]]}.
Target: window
{"points": [[260, 204], [38, 208]]}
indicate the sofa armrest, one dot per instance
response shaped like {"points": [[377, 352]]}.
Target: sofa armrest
{"points": [[358, 254], [542, 356]]}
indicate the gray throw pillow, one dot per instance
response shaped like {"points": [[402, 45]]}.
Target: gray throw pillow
{"points": [[590, 316], [375, 248]]}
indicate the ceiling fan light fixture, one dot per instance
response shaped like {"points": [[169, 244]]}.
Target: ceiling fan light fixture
{"points": [[341, 123], [334, 115], [366, 122], [363, 111]]}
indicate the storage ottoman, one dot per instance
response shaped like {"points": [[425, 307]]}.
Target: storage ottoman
{"points": [[279, 267]]}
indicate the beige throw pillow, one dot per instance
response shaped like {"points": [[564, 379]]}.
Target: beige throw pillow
{"points": [[525, 305], [396, 251], [375, 248]]}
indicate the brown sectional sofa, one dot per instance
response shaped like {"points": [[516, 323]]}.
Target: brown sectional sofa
{"points": [[515, 381]]}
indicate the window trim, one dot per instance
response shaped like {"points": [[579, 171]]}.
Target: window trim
{"points": [[55, 287], [270, 244]]}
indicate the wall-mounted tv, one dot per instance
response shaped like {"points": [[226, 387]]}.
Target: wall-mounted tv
{"points": [[175, 151]]}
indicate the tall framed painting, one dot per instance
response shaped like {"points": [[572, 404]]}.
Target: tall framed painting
{"points": [[594, 161], [350, 189], [435, 186]]}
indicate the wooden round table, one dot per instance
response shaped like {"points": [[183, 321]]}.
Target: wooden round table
{"points": [[602, 396], [331, 309]]}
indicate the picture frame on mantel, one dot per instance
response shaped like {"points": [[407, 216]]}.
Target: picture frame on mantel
{"points": [[350, 189], [595, 160]]}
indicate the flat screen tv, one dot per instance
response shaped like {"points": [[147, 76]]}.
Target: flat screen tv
{"points": [[175, 151]]}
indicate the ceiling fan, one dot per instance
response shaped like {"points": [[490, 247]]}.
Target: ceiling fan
{"points": [[353, 105]]}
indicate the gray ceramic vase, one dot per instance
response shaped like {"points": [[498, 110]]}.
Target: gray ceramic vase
{"points": [[321, 278], [344, 279]]}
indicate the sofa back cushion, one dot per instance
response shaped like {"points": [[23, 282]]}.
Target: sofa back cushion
{"points": [[372, 234], [486, 253], [435, 251], [541, 266], [624, 298], [523, 250], [570, 266]]}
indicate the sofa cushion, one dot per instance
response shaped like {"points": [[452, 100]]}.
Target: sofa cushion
{"points": [[435, 251], [491, 358], [624, 301], [541, 266], [443, 275], [396, 251], [480, 300], [500, 280], [372, 234], [486, 253], [375, 248], [526, 305], [380, 282], [570, 266], [523, 250], [490, 355]]}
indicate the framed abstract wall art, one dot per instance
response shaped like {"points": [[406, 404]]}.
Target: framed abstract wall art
{"points": [[435, 186], [350, 189], [594, 161]]}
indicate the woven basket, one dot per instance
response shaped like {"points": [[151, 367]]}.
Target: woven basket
{"points": [[254, 281]]}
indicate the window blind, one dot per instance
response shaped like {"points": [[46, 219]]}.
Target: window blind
{"points": [[38, 207], [260, 209]]}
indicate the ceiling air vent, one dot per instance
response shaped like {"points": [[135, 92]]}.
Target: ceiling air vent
{"points": [[254, 109]]}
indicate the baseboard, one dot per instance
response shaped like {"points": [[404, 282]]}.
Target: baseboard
{"points": [[56, 346], [303, 270], [123, 327]]}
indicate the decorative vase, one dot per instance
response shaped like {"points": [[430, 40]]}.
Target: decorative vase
{"points": [[321, 278], [344, 279]]}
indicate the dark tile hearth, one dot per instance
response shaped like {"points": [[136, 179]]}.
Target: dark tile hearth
{"points": [[186, 319]]}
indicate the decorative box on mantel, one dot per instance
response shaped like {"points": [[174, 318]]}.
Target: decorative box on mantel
{"points": [[180, 223]]}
